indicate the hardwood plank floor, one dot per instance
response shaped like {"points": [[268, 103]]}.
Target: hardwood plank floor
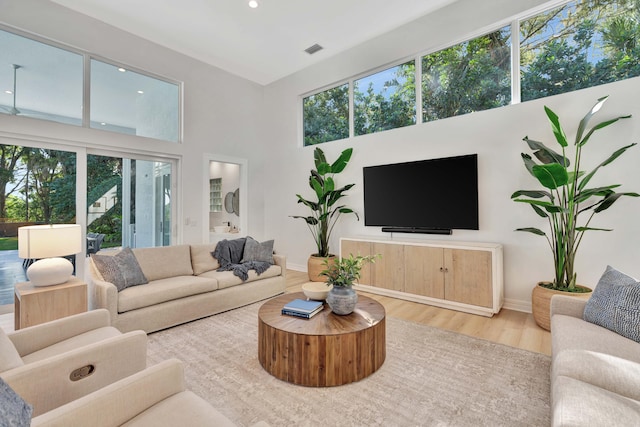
{"points": [[512, 328], [508, 327]]}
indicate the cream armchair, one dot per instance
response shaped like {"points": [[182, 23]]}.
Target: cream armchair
{"points": [[155, 397], [54, 363]]}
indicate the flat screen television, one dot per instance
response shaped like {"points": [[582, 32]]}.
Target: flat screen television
{"points": [[426, 196]]}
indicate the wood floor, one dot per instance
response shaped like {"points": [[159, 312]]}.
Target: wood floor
{"points": [[508, 327], [512, 328]]}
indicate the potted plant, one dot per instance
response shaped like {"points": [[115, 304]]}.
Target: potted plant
{"points": [[342, 274], [566, 202], [325, 210]]}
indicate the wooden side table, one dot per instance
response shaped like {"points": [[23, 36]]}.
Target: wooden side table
{"points": [[35, 305]]}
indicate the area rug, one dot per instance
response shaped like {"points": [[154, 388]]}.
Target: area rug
{"points": [[430, 377]]}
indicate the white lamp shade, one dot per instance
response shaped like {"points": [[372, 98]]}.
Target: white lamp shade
{"points": [[46, 241]]}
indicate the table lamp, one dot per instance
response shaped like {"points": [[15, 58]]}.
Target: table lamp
{"points": [[47, 243]]}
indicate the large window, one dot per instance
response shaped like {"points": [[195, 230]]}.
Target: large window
{"points": [[385, 100], [470, 76], [326, 115], [128, 102], [579, 45], [40, 81]]}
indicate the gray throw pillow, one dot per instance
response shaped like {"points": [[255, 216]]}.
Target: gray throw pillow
{"points": [[255, 251], [14, 411], [121, 269], [615, 304]]}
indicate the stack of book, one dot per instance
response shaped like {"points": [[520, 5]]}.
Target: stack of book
{"points": [[302, 308]]}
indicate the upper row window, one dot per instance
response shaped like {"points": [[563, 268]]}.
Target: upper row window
{"points": [[581, 44], [46, 82]]}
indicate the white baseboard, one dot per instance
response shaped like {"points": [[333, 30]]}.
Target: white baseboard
{"points": [[517, 305], [297, 267]]}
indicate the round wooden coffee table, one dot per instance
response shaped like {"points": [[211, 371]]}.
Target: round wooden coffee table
{"points": [[326, 350]]}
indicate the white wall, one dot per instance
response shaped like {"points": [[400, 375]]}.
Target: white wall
{"points": [[495, 135], [222, 112]]}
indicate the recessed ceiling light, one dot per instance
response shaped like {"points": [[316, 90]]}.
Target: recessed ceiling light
{"points": [[140, 92], [122, 70], [103, 124], [253, 4], [8, 91]]}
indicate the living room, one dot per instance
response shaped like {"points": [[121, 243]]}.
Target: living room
{"points": [[229, 117]]}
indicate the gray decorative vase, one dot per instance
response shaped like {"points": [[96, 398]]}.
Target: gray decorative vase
{"points": [[342, 299]]}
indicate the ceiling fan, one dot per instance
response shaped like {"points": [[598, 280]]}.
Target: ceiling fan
{"points": [[13, 110]]}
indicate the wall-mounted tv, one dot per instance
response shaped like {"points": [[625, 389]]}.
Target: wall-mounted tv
{"points": [[426, 196]]}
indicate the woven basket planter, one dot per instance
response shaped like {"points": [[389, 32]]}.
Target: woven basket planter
{"points": [[541, 303], [315, 265]]}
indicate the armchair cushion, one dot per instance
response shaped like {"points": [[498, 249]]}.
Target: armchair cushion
{"points": [[615, 304], [14, 411], [9, 356]]}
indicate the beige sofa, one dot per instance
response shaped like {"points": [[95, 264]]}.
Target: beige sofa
{"points": [[595, 373], [183, 286]]}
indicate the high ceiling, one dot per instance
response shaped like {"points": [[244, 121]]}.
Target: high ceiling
{"points": [[262, 44]]}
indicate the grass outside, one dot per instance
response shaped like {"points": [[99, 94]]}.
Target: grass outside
{"points": [[8, 243]]}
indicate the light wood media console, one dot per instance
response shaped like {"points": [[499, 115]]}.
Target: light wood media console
{"points": [[464, 276]]}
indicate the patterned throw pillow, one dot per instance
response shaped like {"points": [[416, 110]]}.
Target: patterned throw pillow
{"points": [[14, 411], [121, 269], [254, 251], [615, 304]]}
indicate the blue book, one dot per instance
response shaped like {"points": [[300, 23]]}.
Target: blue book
{"points": [[302, 315], [302, 306]]}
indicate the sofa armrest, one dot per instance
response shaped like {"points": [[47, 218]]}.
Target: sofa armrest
{"points": [[568, 306], [281, 260], [34, 338], [105, 295], [119, 402], [47, 384]]}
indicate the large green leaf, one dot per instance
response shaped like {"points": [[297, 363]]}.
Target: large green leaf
{"points": [[329, 184], [528, 162], [544, 153], [611, 199], [308, 219], [310, 204], [548, 206], [318, 157], [532, 230], [593, 229], [611, 158], [556, 127], [600, 126], [539, 211], [585, 120], [551, 176], [590, 192], [536, 194], [317, 187], [339, 165]]}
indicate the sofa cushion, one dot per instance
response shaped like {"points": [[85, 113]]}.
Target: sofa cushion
{"points": [[166, 261], [572, 333], [577, 403], [73, 343], [121, 269], [14, 411], [227, 279], [162, 290], [9, 356], [615, 304], [202, 259], [620, 376], [255, 251]]}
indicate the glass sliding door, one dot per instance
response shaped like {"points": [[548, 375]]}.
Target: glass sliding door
{"points": [[38, 186], [128, 201]]}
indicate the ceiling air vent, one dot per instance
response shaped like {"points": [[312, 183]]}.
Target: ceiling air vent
{"points": [[313, 49]]}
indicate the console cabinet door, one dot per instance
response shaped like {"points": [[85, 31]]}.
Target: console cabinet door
{"points": [[388, 272], [355, 248], [424, 272], [468, 277]]}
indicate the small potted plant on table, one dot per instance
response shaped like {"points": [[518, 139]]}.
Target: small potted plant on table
{"points": [[342, 274]]}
